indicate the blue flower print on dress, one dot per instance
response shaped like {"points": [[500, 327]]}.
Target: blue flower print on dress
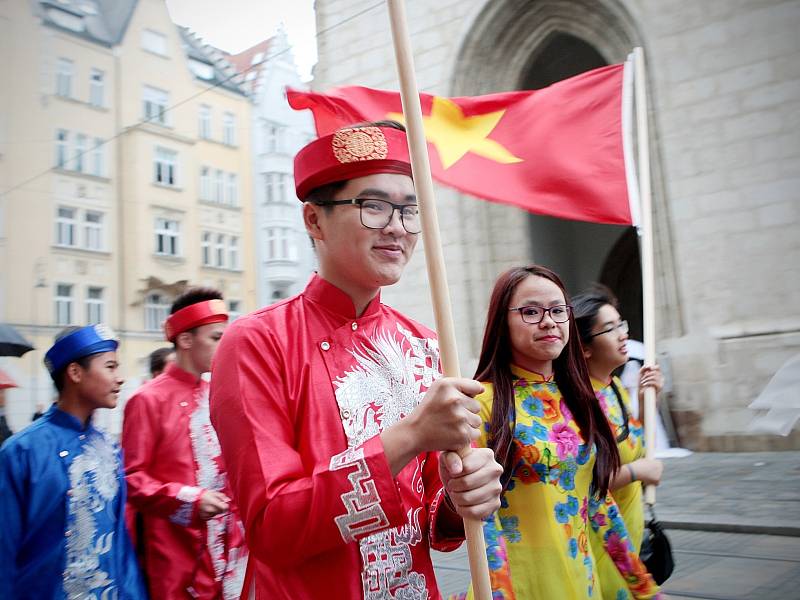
{"points": [[573, 547], [622, 595], [511, 528], [572, 505], [567, 478], [584, 453], [533, 406], [562, 512]]}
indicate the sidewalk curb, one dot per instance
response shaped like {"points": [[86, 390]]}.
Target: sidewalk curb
{"points": [[787, 531]]}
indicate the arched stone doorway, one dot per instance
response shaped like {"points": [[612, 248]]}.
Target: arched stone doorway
{"points": [[581, 252], [516, 44]]}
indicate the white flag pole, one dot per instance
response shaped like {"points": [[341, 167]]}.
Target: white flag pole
{"points": [[434, 258], [648, 263]]}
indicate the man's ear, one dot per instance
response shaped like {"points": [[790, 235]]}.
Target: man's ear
{"points": [[311, 219], [74, 372], [184, 340]]}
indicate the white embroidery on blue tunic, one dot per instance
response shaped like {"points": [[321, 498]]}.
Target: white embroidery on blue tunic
{"points": [[93, 487]]}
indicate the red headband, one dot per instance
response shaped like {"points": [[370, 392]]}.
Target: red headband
{"points": [[350, 153], [194, 315]]}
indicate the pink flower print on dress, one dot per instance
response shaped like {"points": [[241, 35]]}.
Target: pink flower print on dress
{"points": [[617, 549], [567, 441]]}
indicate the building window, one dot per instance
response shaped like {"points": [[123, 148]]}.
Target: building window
{"points": [[154, 42], [233, 253], [205, 122], [66, 226], [219, 187], [229, 129], [233, 189], [96, 87], [205, 183], [219, 251], [93, 230], [165, 167], [272, 138], [80, 152], [62, 148], [281, 244], [269, 192], [97, 157], [63, 304], [94, 305], [205, 249], [167, 237], [281, 191], [201, 69], [234, 310], [155, 105], [156, 311], [64, 71]]}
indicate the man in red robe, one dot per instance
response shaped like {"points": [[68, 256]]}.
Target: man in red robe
{"points": [[330, 408], [193, 539]]}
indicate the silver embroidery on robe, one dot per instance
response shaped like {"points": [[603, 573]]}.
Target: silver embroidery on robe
{"points": [[205, 446], [93, 486], [388, 380], [187, 496]]}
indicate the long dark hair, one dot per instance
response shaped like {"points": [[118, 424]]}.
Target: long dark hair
{"points": [[586, 306], [570, 373]]}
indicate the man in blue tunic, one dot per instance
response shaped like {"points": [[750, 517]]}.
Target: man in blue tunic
{"points": [[62, 489]]}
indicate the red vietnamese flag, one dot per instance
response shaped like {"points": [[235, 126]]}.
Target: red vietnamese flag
{"points": [[555, 151]]}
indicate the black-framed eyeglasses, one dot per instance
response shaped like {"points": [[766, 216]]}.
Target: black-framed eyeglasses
{"points": [[377, 213], [534, 314], [622, 327]]}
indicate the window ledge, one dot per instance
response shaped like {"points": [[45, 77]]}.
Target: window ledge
{"points": [[169, 258], [222, 269], [86, 103], [211, 203], [63, 171], [216, 142], [83, 251], [166, 186]]}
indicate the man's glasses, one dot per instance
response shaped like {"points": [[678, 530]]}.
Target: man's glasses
{"points": [[377, 214], [622, 327], [534, 314]]}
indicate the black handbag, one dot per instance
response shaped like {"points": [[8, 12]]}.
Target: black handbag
{"points": [[656, 552]]}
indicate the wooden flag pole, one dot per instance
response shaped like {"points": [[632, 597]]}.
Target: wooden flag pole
{"points": [[646, 249], [434, 258]]}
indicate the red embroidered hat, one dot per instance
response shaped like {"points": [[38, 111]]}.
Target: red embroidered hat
{"points": [[194, 315], [349, 153]]}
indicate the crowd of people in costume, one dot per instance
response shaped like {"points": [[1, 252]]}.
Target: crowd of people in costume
{"points": [[318, 459]]}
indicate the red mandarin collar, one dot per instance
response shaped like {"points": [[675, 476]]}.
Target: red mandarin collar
{"points": [[173, 370], [335, 300]]}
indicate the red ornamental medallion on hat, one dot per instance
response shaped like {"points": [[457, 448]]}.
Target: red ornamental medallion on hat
{"points": [[350, 153], [194, 315]]}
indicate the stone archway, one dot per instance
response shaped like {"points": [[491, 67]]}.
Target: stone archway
{"points": [[529, 44]]}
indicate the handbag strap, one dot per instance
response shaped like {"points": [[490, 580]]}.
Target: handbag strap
{"points": [[626, 430]]}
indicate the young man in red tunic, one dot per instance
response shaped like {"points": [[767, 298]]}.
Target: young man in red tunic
{"points": [[192, 537], [330, 408]]}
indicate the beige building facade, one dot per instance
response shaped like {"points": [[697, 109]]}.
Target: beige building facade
{"points": [[124, 178], [724, 85]]}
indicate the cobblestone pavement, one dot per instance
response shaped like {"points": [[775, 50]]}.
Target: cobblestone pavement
{"points": [[734, 523], [709, 566]]}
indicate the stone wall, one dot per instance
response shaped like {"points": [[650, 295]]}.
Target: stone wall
{"points": [[724, 81]]}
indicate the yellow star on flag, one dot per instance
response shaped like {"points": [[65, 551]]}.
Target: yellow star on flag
{"points": [[454, 134]]}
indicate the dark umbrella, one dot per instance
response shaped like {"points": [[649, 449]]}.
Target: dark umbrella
{"points": [[12, 343]]}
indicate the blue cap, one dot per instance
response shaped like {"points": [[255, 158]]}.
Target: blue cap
{"points": [[85, 341]]}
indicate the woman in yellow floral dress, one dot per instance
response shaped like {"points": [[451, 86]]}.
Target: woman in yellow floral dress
{"points": [[556, 447], [604, 335]]}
